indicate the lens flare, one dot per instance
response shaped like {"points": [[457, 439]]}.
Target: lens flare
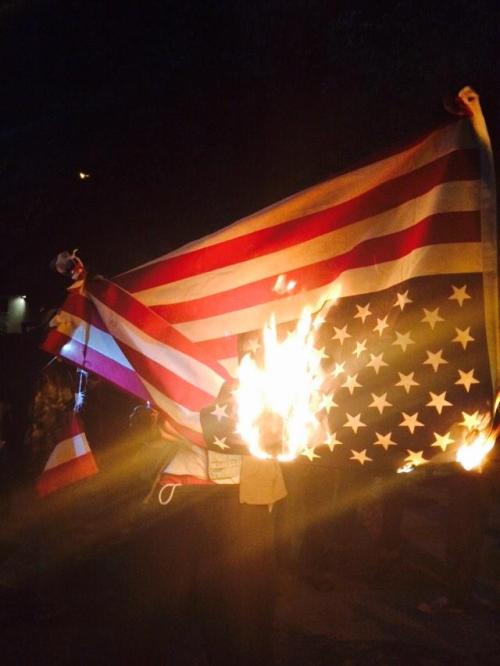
{"points": [[277, 401]]}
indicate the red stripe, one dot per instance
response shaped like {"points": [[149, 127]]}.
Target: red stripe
{"points": [[456, 166], [184, 480], [217, 349], [436, 229], [115, 373], [65, 474], [150, 322], [80, 306], [96, 362], [220, 348], [167, 382]]}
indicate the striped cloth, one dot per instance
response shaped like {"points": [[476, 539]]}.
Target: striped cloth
{"points": [[168, 330], [70, 461]]}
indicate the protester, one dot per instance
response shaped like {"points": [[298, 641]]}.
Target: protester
{"points": [[198, 565]]}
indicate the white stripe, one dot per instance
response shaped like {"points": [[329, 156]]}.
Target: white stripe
{"points": [[442, 259], [183, 365], [446, 198], [67, 450], [189, 459], [341, 188], [93, 337]]}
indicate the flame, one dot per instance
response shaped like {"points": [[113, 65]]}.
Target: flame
{"points": [[471, 455], [276, 402]]}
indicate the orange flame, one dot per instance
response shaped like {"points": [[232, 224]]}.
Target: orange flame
{"points": [[471, 455], [277, 402], [473, 452]]}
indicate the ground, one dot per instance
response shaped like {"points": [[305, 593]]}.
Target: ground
{"points": [[359, 608]]}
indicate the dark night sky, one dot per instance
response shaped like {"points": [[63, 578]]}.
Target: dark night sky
{"points": [[190, 114]]}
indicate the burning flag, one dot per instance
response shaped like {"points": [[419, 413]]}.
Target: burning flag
{"points": [[409, 352], [479, 440]]}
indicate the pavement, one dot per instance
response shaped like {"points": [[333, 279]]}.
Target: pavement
{"points": [[359, 606], [362, 608]]}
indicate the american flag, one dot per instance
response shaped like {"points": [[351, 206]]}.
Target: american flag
{"points": [[406, 376], [406, 240]]}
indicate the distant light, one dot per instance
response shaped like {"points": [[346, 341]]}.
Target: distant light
{"points": [[18, 306], [24, 296], [83, 175]]}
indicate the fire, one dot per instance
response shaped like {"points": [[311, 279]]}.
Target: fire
{"points": [[471, 455], [278, 400]]}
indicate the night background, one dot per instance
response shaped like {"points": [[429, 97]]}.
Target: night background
{"points": [[190, 115], [187, 116]]}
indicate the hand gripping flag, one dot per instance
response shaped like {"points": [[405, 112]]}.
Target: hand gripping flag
{"points": [[412, 345], [70, 461]]}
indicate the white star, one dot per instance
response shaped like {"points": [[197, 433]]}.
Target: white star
{"points": [[341, 334], [376, 362], [363, 312], [309, 453], [463, 337], [380, 402], [466, 379], [326, 402], [443, 441], [415, 458], [459, 294], [360, 456], [438, 401], [407, 381], [435, 359], [331, 441], [432, 317], [402, 300], [253, 345], [381, 325], [384, 440], [220, 412], [354, 422], [411, 422], [339, 369], [360, 348], [321, 354], [351, 383], [221, 443], [471, 421], [403, 340]]}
